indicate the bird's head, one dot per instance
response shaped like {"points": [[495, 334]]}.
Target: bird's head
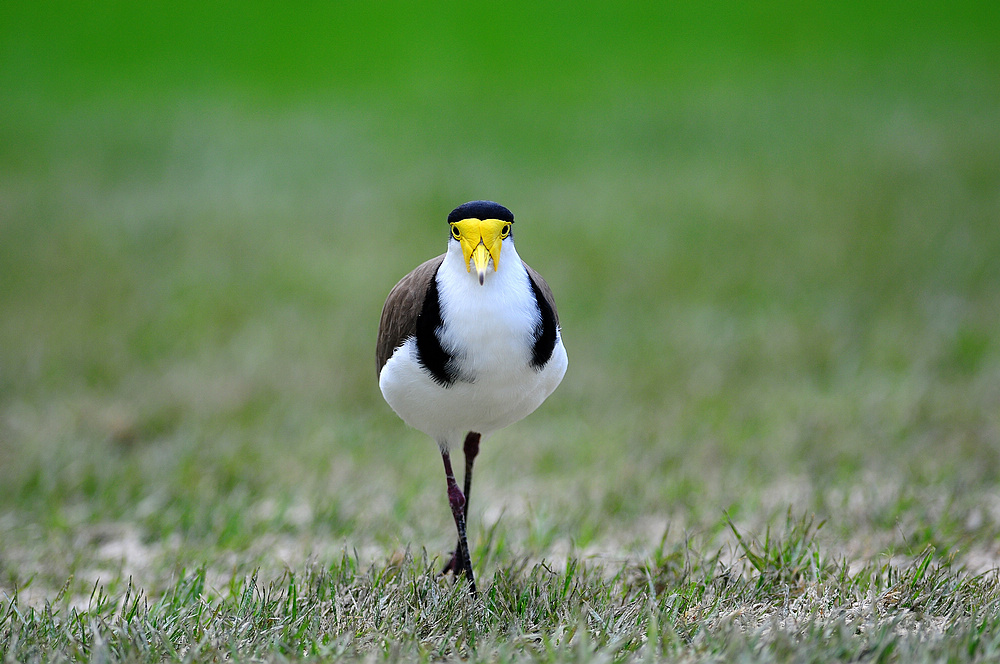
{"points": [[480, 228]]}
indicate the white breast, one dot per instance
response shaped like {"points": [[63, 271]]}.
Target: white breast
{"points": [[489, 329]]}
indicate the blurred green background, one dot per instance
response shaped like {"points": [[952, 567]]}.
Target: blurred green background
{"points": [[773, 231]]}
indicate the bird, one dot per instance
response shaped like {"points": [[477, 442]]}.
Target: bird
{"points": [[469, 342]]}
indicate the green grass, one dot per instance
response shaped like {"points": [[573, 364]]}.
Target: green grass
{"points": [[790, 601], [773, 237]]}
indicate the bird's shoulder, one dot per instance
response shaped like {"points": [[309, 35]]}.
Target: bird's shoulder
{"points": [[402, 308], [543, 290]]}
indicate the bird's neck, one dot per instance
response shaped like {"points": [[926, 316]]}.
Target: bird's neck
{"points": [[489, 326]]}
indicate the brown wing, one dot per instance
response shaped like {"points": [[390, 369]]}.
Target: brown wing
{"points": [[402, 307], [543, 288]]}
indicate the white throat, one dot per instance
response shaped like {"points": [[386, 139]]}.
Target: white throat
{"points": [[489, 328]]}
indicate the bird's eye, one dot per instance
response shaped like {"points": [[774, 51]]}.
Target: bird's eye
{"points": [[505, 231], [455, 233]]}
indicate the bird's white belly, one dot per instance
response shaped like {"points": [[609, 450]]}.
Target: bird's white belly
{"points": [[505, 389]]}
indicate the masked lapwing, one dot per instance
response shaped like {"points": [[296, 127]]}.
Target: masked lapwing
{"points": [[469, 342]]}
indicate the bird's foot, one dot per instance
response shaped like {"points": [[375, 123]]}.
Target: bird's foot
{"points": [[454, 564], [450, 567]]}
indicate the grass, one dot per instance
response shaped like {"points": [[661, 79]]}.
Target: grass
{"points": [[773, 240], [680, 603]]}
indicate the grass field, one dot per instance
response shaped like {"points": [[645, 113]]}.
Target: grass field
{"points": [[774, 237]]}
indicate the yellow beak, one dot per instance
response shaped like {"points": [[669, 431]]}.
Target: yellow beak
{"points": [[481, 257], [481, 240]]}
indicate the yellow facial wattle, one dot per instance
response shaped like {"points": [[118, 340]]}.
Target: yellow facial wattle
{"points": [[481, 240]]}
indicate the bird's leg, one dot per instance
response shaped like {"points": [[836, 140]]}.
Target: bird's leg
{"points": [[471, 449], [457, 502]]}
